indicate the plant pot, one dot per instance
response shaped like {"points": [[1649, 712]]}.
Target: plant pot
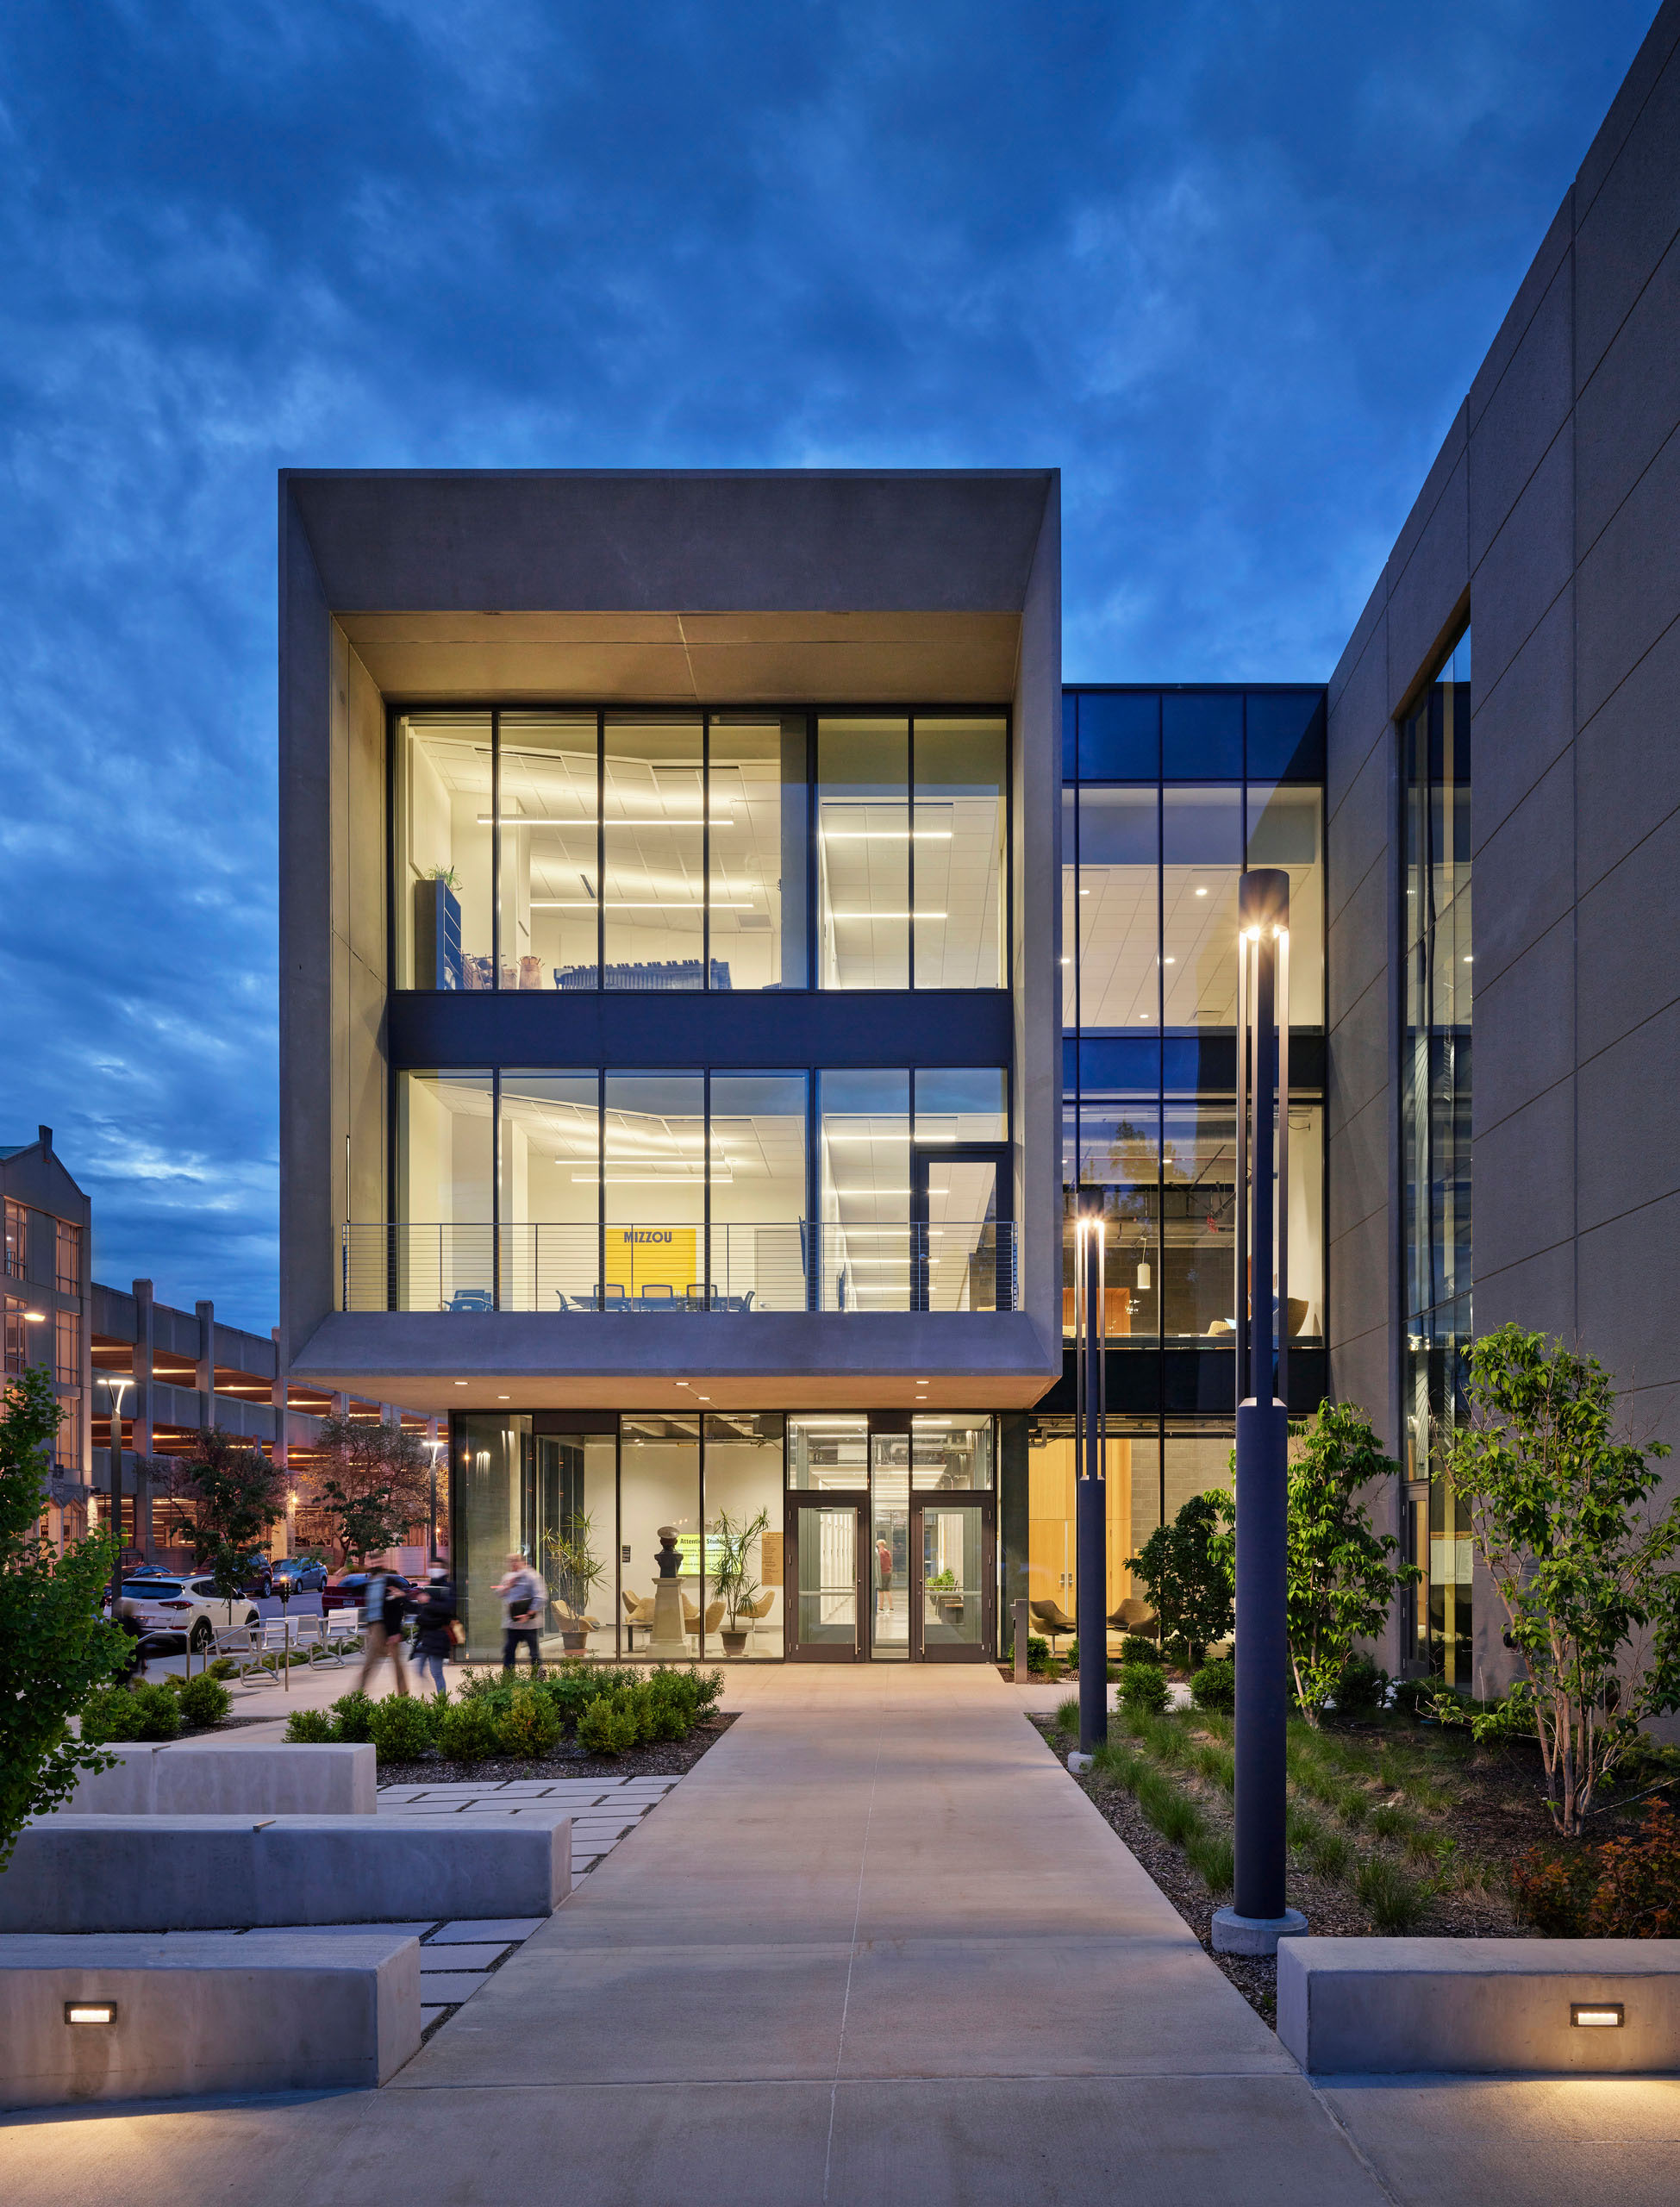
{"points": [[734, 1643], [574, 1642]]}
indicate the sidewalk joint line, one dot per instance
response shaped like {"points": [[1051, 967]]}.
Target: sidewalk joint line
{"points": [[851, 1956]]}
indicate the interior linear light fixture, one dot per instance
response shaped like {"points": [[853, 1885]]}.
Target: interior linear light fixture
{"points": [[889, 916], [886, 834], [723, 818], [631, 905]]}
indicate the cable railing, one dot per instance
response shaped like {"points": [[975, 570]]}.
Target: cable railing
{"points": [[573, 1269]]}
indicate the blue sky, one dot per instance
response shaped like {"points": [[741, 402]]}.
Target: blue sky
{"points": [[1229, 267]]}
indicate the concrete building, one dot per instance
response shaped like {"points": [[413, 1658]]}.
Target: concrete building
{"points": [[44, 1310], [680, 874]]}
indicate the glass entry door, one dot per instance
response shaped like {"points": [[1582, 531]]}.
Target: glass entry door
{"points": [[954, 1585], [827, 1621]]}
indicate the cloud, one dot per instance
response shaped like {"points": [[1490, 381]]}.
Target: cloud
{"points": [[1230, 267]]}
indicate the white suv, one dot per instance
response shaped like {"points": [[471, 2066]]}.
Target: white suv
{"points": [[187, 1609]]}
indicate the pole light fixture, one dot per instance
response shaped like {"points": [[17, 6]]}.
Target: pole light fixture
{"points": [[1259, 1915], [1090, 1409], [116, 1389]]}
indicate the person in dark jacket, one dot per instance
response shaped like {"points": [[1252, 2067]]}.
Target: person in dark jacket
{"points": [[435, 1618]]}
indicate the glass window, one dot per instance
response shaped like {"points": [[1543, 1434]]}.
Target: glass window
{"points": [[445, 1192], [1198, 1218], [1070, 735], [863, 769], [759, 1244], [572, 1531], [1198, 1460], [959, 1105], [17, 1240], [69, 1256], [1070, 966], [551, 907], [1202, 735], [68, 1347], [1119, 943], [953, 1449], [655, 1172], [492, 1457], [1286, 734], [1120, 1166], [652, 831], [828, 1449], [443, 900], [757, 818], [550, 1167], [1119, 735], [1284, 830], [957, 854], [743, 1473], [1306, 1311], [1132, 1481], [1201, 863], [865, 1155], [16, 1353], [659, 1484]]}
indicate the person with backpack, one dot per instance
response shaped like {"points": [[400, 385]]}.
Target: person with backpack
{"points": [[434, 1626], [385, 1603], [524, 1598]]}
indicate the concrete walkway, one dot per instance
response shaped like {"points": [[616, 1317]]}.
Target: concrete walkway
{"points": [[875, 1949]]}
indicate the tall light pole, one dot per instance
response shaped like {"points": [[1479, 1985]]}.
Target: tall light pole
{"points": [[118, 1389], [435, 1445], [1091, 1608], [1259, 1915]]}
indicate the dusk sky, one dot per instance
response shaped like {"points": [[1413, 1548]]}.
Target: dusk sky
{"points": [[1229, 267]]}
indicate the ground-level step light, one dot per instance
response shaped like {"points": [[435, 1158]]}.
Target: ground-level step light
{"points": [[1259, 1915]]}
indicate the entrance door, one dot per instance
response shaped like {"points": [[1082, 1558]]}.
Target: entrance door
{"points": [[954, 1581], [959, 1209], [829, 1544]]}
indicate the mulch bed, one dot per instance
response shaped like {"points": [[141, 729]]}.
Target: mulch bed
{"points": [[1498, 1810], [661, 1758]]}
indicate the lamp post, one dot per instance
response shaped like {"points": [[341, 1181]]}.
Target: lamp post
{"points": [[1259, 1915], [435, 1445], [116, 1389], [1091, 1517]]}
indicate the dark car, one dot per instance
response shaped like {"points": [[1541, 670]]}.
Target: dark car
{"points": [[256, 1577]]}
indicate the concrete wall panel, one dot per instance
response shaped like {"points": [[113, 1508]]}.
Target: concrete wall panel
{"points": [[1628, 584], [1628, 1274], [1527, 564], [1358, 1166], [1359, 837], [1525, 720], [1358, 1053], [1524, 875], [1627, 762], [1360, 944], [1426, 591], [1632, 1087], [1523, 414], [1631, 221], [1626, 977], [1524, 1181], [1524, 1028], [1629, 409], [1360, 1269]]}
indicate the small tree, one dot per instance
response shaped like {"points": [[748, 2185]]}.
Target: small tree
{"points": [[1562, 1514], [55, 1650], [370, 1483], [1342, 1577], [236, 1494], [1186, 1567], [570, 1553]]}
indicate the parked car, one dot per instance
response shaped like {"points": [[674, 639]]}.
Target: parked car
{"points": [[188, 1610], [299, 1575]]}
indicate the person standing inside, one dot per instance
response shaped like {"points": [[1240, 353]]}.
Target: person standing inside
{"points": [[524, 1598], [435, 1628], [386, 1604], [883, 1568]]}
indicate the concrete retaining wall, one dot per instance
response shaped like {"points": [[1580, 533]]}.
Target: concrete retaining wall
{"points": [[1492, 2007], [193, 1778], [205, 2013], [189, 1873]]}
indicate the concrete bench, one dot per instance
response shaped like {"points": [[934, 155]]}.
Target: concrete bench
{"points": [[216, 1778], [193, 1873], [1488, 2007], [301, 2011]]}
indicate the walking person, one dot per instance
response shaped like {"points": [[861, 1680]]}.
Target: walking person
{"points": [[435, 1628], [524, 1598], [385, 1605]]}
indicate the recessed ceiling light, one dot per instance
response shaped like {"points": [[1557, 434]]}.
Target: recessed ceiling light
{"points": [[1200, 892]]}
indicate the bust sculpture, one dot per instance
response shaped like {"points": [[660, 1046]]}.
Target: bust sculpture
{"points": [[669, 1560]]}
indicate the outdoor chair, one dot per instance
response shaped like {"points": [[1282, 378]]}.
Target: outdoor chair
{"points": [[343, 1630], [471, 1298], [1053, 1619], [236, 1644], [1135, 1616], [638, 1610], [308, 1636]]}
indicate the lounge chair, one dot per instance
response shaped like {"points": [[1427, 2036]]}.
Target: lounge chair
{"points": [[1052, 1618]]}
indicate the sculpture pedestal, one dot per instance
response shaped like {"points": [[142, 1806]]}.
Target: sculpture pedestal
{"points": [[668, 1637]]}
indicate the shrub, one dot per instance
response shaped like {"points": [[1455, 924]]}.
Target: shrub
{"points": [[354, 1713], [526, 1724], [606, 1728], [1143, 1687], [465, 1731], [132, 1713], [1067, 1714], [1134, 1648], [1412, 1696], [1362, 1690], [204, 1700], [1389, 1824], [1300, 1826], [1217, 1765], [1327, 1853], [1551, 1891], [1213, 1858], [1214, 1685], [223, 1667], [1038, 1654], [1123, 1764], [310, 1727], [1638, 1894], [1396, 1902], [400, 1727]]}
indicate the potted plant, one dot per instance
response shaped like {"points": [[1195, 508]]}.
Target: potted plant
{"points": [[737, 1588], [945, 1591], [576, 1568]]}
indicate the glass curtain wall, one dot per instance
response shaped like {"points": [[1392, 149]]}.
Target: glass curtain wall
{"points": [[550, 879], [654, 1174], [1435, 1144], [744, 1538], [443, 896], [444, 1253], [652, 840], [863, 852], [571, 1530], [760, 1251], [549, 1185], [864, 1149], [757, 816]]}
